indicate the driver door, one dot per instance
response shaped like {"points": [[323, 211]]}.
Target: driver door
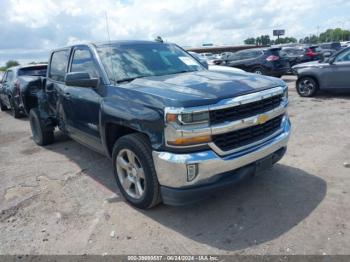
{"points": [[84, 101]]}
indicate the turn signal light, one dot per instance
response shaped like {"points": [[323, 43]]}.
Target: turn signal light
{"points": [[190, 141]]}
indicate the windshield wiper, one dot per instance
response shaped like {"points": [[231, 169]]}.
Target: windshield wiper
{"points": [[128, 79]]}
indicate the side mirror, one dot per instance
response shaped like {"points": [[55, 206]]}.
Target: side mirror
{"points": [[331, 60], [81, 79]]}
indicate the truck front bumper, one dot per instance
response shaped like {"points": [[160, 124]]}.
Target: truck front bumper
{"points": [[212, 170]]}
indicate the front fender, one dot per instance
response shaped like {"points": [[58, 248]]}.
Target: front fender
{"points": [[136, 116]]}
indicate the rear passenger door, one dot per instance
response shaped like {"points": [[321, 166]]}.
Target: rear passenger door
{"points": [[55, 87]]}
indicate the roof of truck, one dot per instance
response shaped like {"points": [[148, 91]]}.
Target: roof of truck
{"points": [[26, 66]]}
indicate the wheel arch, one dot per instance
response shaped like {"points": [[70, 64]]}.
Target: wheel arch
{"points": [[313, 76]]}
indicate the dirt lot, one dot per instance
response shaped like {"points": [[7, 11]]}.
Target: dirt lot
{"points": [[62, 199]]}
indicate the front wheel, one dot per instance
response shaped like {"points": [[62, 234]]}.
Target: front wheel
{"points": [[134, 171], [41, 135], [306, 86]]}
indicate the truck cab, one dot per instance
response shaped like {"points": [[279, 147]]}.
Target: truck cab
{"points": [[173, 130]]}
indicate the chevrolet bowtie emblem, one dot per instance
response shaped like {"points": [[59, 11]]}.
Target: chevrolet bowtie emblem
{"points": [[262, 119]]}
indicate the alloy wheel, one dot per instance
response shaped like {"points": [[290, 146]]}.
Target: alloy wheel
{"points": [[306, 87], [131, 173]]}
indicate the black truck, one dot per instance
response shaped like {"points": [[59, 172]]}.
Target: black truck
{"points": [[18, 88], [174, 130]]}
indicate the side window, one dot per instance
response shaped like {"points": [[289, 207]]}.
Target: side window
{"points": [[58, 67], [246, 55], [233, 57], [9, 76], [4, 77], [82, 62], [343, 57]]}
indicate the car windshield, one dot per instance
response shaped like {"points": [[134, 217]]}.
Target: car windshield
{"points": [[125, 62]]}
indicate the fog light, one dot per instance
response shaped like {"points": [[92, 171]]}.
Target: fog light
{"points": [[192, 171]]}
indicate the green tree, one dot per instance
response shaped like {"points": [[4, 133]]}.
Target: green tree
{"points": [[11, 63], [250, 41], [285, 40]]}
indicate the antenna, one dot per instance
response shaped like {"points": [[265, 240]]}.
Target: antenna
{"points": [[107, 27]]}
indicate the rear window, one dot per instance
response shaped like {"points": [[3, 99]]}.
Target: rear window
{"points": [[315, 49], [275, 52], [59, 64], [33, 71], [292, 52]]}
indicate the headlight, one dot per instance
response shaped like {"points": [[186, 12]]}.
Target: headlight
{"points": [[188, 118], [186, 128]]}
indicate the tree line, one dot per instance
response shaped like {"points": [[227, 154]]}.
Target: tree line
{"points": [[9, 64], [12, 63], [330, 35]]}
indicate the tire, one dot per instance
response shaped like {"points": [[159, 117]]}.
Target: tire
{"points": [[258, 71], [307, 86], [143, 192], [41, 136], [16, 113], [3, 107]]}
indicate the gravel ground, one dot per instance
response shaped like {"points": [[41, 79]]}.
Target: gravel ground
{"points": [[62, 199]]}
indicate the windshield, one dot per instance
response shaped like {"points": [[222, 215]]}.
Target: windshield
{"points": [[129, 61]]}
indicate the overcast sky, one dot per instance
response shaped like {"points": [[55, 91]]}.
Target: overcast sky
{"points": [[30, 28]]}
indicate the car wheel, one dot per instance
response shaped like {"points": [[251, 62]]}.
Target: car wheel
{"points": [[306, 86], [3, 107], [41, 136], [16, 113], [259, 71], [134, 171]]}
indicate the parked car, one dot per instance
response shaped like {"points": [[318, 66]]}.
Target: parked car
{"points": [[345, 44], [219, 68], [208, 56], [174, 130], [295, 55], [332, 73], [200, 59], [314, 52], [262, 61], [216, 68], [16, 83], [332, 45]]}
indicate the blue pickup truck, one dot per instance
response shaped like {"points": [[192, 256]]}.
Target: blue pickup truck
{"points": [[174, 131]]}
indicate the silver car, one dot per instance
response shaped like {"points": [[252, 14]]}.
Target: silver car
{"points": [[331, 73]]}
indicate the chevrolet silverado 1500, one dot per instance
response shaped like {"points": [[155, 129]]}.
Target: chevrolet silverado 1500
{"points": [[174, 130]]}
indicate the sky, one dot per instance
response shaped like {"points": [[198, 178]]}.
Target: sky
{"points": [[30, 29]]}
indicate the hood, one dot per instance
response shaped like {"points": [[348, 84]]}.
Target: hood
{"points": [[201, 87], [310, 64]]}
